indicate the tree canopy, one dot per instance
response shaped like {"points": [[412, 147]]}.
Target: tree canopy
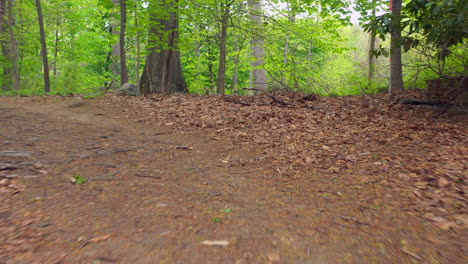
{"points": [[309, 45]]}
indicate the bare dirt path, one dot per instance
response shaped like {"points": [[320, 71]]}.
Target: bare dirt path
{"points": [[153, 194]]}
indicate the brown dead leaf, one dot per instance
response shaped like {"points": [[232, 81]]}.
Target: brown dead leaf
{"points": [[443, 182], [445, 225], [99, 238], [273, 257]]}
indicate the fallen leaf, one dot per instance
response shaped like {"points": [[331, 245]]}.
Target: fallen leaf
{"points": [[99, 239], [411, 254], [273, 257], [443, 182], [215, 243], [445, 225]]}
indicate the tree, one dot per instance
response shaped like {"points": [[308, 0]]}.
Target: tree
{"points": [[44, 47], [163, 69], [443, 24], [2, 8], [396, 68], [123, 60], [221, 83], [13, 45], [258, 74], [9, 43]]}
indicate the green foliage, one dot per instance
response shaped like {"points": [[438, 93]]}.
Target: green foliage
{"points": [[442, 23], [310, 45], [79, 179]]}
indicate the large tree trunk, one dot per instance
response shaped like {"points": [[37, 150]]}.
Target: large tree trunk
{"points": [[14, 55], [223, 50], [163, 68], [123, 59], [257, 75], [11, 75], [116, 46], [396, 72], [44, 47]]}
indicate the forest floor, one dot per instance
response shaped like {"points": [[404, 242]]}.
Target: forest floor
{"points": [[324, 180]]}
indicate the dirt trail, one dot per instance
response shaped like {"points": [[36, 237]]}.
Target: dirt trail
{"points": [[153, 194]]}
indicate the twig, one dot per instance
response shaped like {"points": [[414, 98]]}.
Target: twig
{"points": [[148, 176], [411, 254], [104, 179], [211, 196], [275, 99], [242, 172], [232, 100]]}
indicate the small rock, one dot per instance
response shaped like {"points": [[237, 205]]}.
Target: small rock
{"points": [[128, 89]]}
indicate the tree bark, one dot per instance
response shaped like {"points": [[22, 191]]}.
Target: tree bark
{"points": [[14, 55], [123, 58], [235, 77], [292, 20], [44, 47], [2, 10], [56, 43], [116, 46], [138, 52], [9, 45], [257, 75], [370, 55], [223, 49], [396, 71], [163, 69]]}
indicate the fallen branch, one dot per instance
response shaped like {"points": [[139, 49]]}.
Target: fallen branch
{"points": [[232, 100], [242, 172], [418, 102], [454, 97], [274, 98], [148, 176]]}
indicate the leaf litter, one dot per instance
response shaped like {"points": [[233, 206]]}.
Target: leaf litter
{"points": [[381, 156]]}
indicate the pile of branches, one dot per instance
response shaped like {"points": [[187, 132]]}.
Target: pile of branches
{"points": [[278, 97]]}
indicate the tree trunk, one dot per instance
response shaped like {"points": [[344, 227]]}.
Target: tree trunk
{"points": [[44, 47], [370, 54], [257, 75], [138, 52], [2, 10], [235, 77], [371, 60], [116, 46], [56, 43], [210, 89], [396, 72], [9, 46], [309, 64], [13, 45], [292, 20], [223, 50], [123, 59], [163, 68]]}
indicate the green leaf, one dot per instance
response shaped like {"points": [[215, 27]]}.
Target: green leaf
{"points": [[79, 179], [216, 220], [226, 210]]}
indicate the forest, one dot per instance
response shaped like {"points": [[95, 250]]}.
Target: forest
{"points": [[225, 46], [232, 131]]}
